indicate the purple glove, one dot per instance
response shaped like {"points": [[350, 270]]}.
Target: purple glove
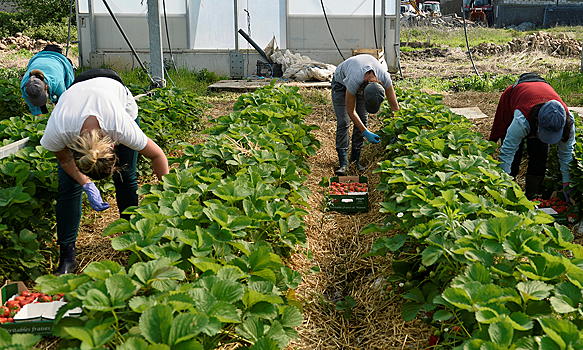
{"points": [[94, 197], [567, 192]]}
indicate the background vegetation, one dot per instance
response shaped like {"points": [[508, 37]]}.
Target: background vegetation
{"points": [[46, 19]]}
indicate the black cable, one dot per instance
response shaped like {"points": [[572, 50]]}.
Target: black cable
{"points": [[374, 24], [330, 29], [153, 83], [168, 38], [69, 30], [468, 44]]}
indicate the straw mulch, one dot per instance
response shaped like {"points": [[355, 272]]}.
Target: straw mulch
{"points": [[338, 248]]}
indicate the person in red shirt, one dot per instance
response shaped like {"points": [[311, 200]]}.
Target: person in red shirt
{"points": [[531, 112]]}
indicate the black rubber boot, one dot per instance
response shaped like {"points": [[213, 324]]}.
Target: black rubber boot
{"points": [[534, 186], [354, 159], [343, 158], [67, 262]]}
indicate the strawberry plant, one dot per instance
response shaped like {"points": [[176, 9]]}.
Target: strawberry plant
{"points": [[169, 115], [11, 104], [471, 252], [18, 341], [222, 305]]}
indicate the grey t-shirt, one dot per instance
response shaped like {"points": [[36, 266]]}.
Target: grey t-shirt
{"points": [[350, 73]]}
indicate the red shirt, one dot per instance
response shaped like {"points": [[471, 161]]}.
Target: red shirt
{"points": [[523, 97]]}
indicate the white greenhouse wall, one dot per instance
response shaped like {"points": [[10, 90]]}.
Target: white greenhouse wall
{"points": [[203, 35]]}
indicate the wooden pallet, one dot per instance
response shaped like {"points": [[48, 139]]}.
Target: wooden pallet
{"points": [[379, 54]]}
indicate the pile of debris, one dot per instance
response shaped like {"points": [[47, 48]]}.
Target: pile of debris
{"points": [[448, 21], [19, 42], [559, 45]]}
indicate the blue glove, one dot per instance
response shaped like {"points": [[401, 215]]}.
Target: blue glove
{"points": [[567, 192], [94, 197], [371, 137]]}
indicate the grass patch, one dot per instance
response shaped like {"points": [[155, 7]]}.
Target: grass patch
{"points": [[315, 96], [22, 53], [567, 84], [196, 81], [455, 37]]}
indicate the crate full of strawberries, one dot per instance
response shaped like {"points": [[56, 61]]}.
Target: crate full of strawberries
{"points": [[348, 194], [563, 212], [23, 311]]}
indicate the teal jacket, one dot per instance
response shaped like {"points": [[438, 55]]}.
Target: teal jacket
{"points": [[59, 75]]}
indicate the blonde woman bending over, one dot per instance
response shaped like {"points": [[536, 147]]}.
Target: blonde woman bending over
{"points": [[94, 132]]}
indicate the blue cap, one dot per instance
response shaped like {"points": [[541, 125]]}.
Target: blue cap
{"points": [[551, 121]]}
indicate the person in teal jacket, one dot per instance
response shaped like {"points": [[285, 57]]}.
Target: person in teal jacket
{"points": [[48, 75]]}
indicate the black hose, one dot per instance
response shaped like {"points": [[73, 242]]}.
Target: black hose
{"points": [[374, 24], [129, 44], [168, 38], [468, 44], [259, 50], [330, 29]]}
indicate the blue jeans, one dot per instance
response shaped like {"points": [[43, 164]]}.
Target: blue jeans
{"points": [[343, 119], [70, 195]]}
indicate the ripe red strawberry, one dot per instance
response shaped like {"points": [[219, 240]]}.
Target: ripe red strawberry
{"points": [[433, 339], [45, 299]]}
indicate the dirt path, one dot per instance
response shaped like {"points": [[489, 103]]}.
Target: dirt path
{"points": [[338, 248]]}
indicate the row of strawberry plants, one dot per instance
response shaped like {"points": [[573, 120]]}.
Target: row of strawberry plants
{"points": [[207, 242], [472, 256], [28, 189]]}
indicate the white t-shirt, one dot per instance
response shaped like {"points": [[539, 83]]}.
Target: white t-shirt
{"points": [[109, 101], [350, 73]]}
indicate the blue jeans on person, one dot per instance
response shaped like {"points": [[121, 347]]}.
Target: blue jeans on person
{"points": [[70, 194], [343, 120]]}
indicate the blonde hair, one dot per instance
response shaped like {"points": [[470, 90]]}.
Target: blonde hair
{"points": [[37, 73], [94, 154]]}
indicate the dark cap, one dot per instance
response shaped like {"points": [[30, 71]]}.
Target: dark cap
{"points": [[35, 89], [551, 121], [374, 95]]}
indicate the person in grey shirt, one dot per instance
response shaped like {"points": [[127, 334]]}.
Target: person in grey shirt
{"points": [[359, 86]]}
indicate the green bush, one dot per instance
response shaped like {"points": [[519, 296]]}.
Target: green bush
{"points": [[53, 31], [11, 23], [11, 102], [38, 12]]}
